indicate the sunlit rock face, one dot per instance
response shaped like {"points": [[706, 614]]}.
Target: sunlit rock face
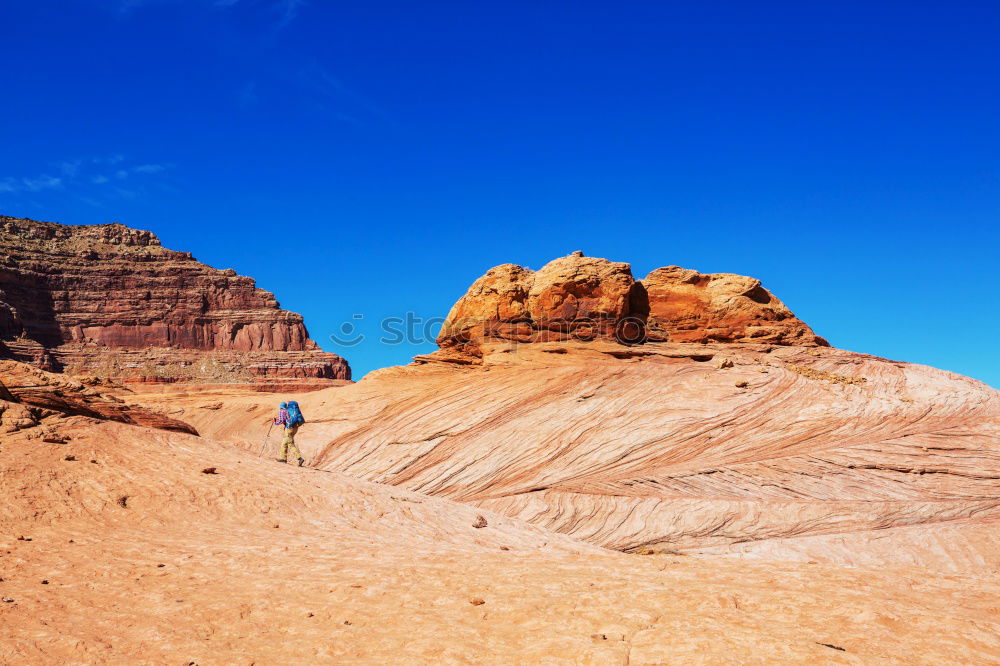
{"points": [[584, 298], [688, 306]]}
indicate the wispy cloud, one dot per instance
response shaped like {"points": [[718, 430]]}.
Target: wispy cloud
{"points": [[79, 178], [283, 11], [246, 96], [289, 10], [342, 102], [111, 160], [122, 171], [37, 184], [70, 169]]}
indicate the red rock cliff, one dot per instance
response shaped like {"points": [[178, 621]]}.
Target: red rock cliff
{"points": [[69, 294]]}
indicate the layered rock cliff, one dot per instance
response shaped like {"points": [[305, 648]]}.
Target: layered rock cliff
{"points": [[108, 299]]}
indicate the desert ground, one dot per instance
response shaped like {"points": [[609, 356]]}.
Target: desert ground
{"points": [[119, 549]]}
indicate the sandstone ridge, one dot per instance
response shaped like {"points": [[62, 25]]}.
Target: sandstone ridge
{"points": [[34, 403], [776, 452], [76, 297], [745, 434], [584, 298]]}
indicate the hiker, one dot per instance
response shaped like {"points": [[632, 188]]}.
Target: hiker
{"points": [[290, 416]]}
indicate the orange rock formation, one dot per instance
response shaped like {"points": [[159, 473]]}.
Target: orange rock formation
{"points": [[585, 298]]}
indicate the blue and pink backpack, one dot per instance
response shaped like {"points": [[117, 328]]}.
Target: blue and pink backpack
{"points": [[295, 417]]}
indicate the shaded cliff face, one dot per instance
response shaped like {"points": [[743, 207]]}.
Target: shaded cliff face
{"points": [[68, 294], [585, 298]]}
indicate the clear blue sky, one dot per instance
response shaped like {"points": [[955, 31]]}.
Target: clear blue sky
{"points": [[374, 158]]}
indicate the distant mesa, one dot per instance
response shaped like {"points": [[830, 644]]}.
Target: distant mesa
{"points": [[582, 298], [108, 300]]}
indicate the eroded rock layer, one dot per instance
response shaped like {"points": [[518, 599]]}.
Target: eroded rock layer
{"points": [[742, 449], [34, 402], [585, 298], [72, 296]]}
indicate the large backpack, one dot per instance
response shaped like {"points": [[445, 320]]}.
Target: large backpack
{"points": [[295, 417]]}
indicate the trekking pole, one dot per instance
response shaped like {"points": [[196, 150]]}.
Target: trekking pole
{"points": [[266, 437]]}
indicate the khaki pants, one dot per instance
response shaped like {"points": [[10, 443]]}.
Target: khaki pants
{"points": [[288, 444]]}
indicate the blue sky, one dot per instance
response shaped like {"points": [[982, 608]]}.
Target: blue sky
{"points": [[374, 158]]}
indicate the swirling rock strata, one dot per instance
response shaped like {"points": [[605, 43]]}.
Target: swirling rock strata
{"points": [[805, 453], [665, 450], [143, 558], [742, 447], [72, 296]]}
